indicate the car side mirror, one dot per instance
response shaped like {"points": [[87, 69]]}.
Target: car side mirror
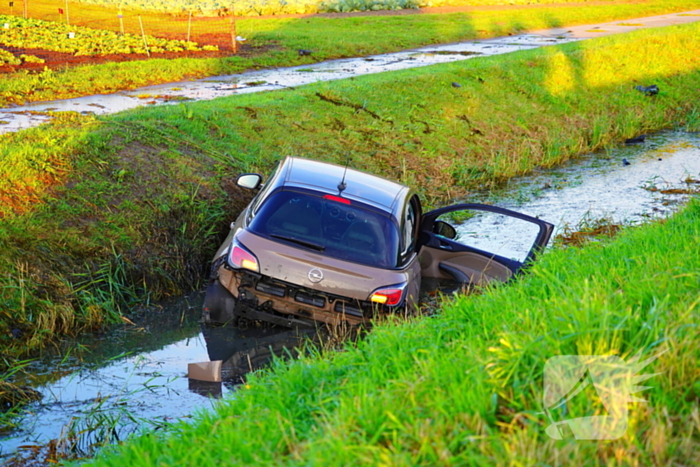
{"points": [[444, 229], [249, 181]]}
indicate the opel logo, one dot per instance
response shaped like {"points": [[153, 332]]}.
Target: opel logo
{"points": [[315, 275]]}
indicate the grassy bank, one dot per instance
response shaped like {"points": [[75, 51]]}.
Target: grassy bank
{"points": [[465, 387], [275, 42], [128, 222], [102, 214]]}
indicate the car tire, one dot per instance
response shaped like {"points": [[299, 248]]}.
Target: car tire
{"points": [[218, 304]]}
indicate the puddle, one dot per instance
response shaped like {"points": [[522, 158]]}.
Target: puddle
{"points": [[628, 184]]}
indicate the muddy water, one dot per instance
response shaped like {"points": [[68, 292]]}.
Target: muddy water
{"points": [[627, 184], [133, 378], [148, 387]]}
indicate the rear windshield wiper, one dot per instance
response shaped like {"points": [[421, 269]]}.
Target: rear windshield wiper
{"points": [[311, 245]]}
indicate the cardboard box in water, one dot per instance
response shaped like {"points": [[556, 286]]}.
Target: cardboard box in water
{"points": [[205, 371]]}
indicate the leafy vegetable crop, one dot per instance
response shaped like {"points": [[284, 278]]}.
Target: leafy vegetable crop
{"points": [[7, 58], [58, 37], [278, 7]]}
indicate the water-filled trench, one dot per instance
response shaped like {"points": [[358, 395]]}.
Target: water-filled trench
{"points": [[135, 377]]}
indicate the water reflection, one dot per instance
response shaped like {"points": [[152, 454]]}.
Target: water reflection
{"points": [[130, 378], [136, 378], [246, 350], [655, 180]]}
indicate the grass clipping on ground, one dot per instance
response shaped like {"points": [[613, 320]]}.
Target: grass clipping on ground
{"points": [[465, 387]]}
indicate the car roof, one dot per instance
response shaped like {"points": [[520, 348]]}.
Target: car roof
{"points": [[321, 176]]}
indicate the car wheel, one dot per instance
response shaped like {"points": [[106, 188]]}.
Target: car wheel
{"points": [[218, 304]]}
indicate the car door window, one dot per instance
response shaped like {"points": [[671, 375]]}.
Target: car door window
{"points": [[407, 232], [478, 244], [494, 233]]}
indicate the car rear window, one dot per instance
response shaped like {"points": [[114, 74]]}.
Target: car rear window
{"points": [[333, 226]]}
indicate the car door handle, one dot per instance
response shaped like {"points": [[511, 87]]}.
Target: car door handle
{"points": [[445, 246]]}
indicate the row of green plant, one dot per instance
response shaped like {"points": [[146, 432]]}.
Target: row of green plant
{"points": [[284, 7], [8, 58], [98, 212], [58, 37], [346, 6], [467, 386]]}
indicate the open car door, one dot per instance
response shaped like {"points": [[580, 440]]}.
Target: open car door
{"points": [[474, 244]]}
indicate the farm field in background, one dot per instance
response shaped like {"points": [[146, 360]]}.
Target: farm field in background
{"points": [[32, 34], [212, 24], [273, 41], [276, 7]]}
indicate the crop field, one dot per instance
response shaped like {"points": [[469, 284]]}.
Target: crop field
{"points": [[22, 34], [288, 7], [31, 43]]}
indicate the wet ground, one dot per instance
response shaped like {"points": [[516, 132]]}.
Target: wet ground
{"points": [[17, 118], [136, 377]]}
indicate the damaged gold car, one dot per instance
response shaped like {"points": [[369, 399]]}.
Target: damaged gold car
{"points": [[322, 243]]}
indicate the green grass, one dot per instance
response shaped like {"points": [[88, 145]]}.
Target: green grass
{"points": [[275, 43], [465, 387], [277, 7], [511, 113], [104, 212], [128, 225]]}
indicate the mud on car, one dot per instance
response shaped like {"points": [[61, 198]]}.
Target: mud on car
{"points": [[322, 243]]}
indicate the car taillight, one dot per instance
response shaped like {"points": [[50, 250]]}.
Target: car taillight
{"points": [[391, 295], [240, 258]]}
